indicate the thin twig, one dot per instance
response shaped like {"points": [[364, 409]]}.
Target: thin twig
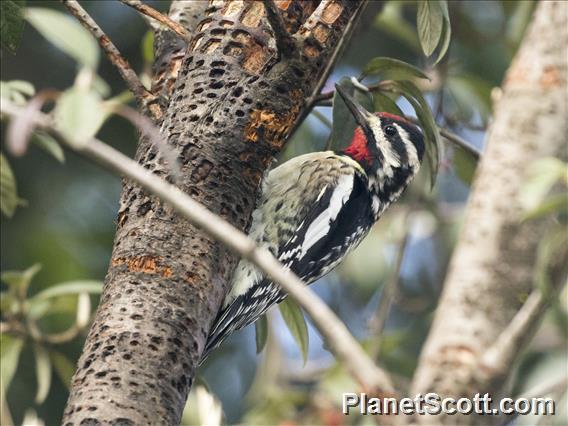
{"points": [[322, 118], [379, 319], [543, 389], [143, 96], [322, 97], [151, 131], [284, 40], [502, 353], [556, 389], [146, 10], [339, 339], [462, 143], [455, 139]]}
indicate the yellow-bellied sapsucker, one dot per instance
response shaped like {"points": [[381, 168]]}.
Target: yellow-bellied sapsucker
{"points": [[316, 208]]}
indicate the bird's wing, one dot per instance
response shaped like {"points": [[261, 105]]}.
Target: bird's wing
{"points": [[334, 221]]}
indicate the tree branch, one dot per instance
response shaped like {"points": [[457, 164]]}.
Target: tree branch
{"points": [[149, 11], [340, 341], [379, 319], [462, 143], [284, 41], [143, 96], [498, 358], [454, 139], [493, 264]]}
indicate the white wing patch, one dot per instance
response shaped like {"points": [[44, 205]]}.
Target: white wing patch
{"points": [[321, 225]]}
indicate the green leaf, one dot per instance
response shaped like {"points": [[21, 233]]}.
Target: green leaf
{"points": [[383, 103], [464, 165], [344, 123], [79, 114], [11, 24], [100, 86], [433, 22], [8, 302], [8, 192], [65, 33], [392, 69], [518, 22], [261, 329], [49, 145], [471, 94], [427, 122], [296, 323], [43, 373], [71, 287], [63, 367], [21, 280], [83, 310], [16, 91], [446, 30], [557, 203], [147, 47], [37, 308], [552, 249], [21, 86], [391, 20], [541, 177], [430, 22], [10, 349]]}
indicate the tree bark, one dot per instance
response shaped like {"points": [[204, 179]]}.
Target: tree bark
{"points": [[491, 271], [233, 104]]}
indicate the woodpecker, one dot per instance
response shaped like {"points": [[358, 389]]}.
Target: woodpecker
{"points": [[316, 208]]}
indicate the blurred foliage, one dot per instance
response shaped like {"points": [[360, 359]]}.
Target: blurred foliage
{"points": [[433, 21], [11, 24], [68, 222], [28, 323]]}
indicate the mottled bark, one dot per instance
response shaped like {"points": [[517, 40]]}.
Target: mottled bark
{"points": [[233, 104], [492, 268]]}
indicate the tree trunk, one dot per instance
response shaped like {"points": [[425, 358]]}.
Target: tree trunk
{"points": [[233, 104], [492, 268]]}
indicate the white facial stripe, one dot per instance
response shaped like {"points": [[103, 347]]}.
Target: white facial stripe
{"points": [[410, 148], [391, 158]]}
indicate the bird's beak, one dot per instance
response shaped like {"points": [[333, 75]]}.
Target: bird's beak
{"points": [[356, 109]]}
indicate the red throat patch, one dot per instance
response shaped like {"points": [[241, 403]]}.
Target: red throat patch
{"points": [[358, 148]]}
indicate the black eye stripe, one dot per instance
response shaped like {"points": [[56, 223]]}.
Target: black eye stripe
{"points": [[399, 147]]}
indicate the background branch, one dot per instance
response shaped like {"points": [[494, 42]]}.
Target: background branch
{"points": [[149, 11], [143, 96], [500, 355], [378, 320]]}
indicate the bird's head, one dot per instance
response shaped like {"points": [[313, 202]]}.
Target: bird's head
{"points": [[388, 147]]}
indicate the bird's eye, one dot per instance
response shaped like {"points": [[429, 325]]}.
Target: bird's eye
{"points": [[390, 130]]}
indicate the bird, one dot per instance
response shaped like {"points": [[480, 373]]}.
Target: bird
{"points": [[316, 208]]}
